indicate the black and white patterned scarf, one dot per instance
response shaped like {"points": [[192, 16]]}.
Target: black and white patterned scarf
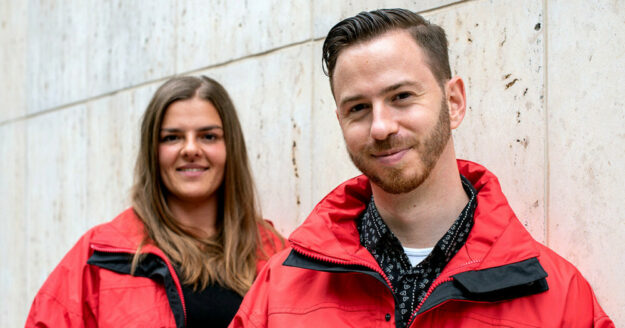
{"points": [[412, 283]]}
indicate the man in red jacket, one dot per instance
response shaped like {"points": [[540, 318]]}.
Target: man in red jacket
{"points": [[422, 239]]}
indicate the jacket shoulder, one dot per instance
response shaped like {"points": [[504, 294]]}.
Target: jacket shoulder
{"points": [[66, 292], [271, 242], [572, 291]]}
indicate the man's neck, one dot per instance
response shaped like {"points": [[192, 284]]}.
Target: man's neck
{"points": [[419, 218]]}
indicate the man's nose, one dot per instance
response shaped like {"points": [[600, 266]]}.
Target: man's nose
{"points": [[383, 122]]}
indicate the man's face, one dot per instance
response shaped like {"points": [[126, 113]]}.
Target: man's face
{"points": [[392, 111]]}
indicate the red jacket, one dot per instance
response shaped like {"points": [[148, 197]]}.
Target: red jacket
{"points": [[501, 277], [102, 293]]}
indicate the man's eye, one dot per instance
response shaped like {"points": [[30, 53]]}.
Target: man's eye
{"points": [[402, 96], [358, 108]]}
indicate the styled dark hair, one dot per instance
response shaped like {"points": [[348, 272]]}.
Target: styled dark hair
{"points": [[369, 25], [229, 258]]}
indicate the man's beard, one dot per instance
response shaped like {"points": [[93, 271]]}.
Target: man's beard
{"points": [[392, 180]]}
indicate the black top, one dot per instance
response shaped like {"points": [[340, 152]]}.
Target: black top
{"points": [[412, 283], [215, 306]]}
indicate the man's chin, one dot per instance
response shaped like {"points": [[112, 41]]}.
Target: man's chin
{"points": [[395, 184], [391, 180]]}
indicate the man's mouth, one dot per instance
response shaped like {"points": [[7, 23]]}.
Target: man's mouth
{"points": [[390, 156]]}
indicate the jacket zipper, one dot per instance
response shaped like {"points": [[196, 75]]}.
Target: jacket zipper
{"points": [[169, 267], [335, 261], [429, 292]]}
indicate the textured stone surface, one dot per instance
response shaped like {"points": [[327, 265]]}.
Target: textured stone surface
{"points": [[331, 164], [274, 109], [326, 13], [587, 143], [13, 237], [85, 49], [113, 141], [13, 38], [56, 190], [219, 31], [500, 58]]}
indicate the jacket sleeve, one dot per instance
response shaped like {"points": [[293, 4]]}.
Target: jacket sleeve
{"points": [[582, 308], [253, 311], [271, 243], [66, 297]]}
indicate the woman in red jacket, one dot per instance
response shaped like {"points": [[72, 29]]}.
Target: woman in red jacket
{"points": [[193, 241]]}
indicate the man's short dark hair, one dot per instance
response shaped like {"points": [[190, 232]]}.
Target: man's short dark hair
{"points": [[369, 25]]}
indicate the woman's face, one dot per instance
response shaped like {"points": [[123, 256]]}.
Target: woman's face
{"points": [[192, 150]]}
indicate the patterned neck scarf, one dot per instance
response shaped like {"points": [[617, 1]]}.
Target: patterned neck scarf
{"points": [[412, 283]]}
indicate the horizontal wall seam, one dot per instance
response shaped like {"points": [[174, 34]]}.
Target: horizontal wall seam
{"points": [[162, 79]]}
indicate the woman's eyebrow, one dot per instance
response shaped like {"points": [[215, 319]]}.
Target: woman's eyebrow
{"points": [[204, 128]]}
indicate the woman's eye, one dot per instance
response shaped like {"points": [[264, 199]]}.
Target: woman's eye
{"points": [[211, 137], [169, 138]]}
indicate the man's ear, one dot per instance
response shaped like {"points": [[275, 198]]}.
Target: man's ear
{"points": [[456, 101], [336, 111]]}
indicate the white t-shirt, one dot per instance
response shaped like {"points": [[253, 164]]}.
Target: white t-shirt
{"points": [[416, 255]]}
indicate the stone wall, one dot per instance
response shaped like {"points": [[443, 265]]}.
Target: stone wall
{"points": [[545, 84]]}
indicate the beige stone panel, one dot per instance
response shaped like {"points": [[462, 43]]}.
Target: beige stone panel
{"points": [[130, 43], [13, 29], [112, 145], [586, 143], [331, 165], [272, 94], [56, 150], [13, 225], [499, 54], [78, 50], [219, 31], [327, 13]]}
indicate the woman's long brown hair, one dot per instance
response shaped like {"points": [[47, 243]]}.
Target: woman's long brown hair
{"points": [[229, 257]]}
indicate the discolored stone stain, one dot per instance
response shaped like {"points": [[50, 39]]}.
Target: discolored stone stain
{"points": [[294, 160], [511, 83], [518, 117], [537, 27], [525, 91], [505, 37], [505, 77], [524, 142], [535, 204]]}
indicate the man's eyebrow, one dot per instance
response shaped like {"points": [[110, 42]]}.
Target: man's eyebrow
{"points": [[401, 84], [350, 99], [385, 90], [202, 129]]}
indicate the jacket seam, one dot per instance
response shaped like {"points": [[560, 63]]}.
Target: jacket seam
{"points": [[56, 300]]}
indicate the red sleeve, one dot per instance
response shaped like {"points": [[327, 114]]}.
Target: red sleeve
{"points": [[66, 297], [582, 307], [253, 311], [271, 243]]}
